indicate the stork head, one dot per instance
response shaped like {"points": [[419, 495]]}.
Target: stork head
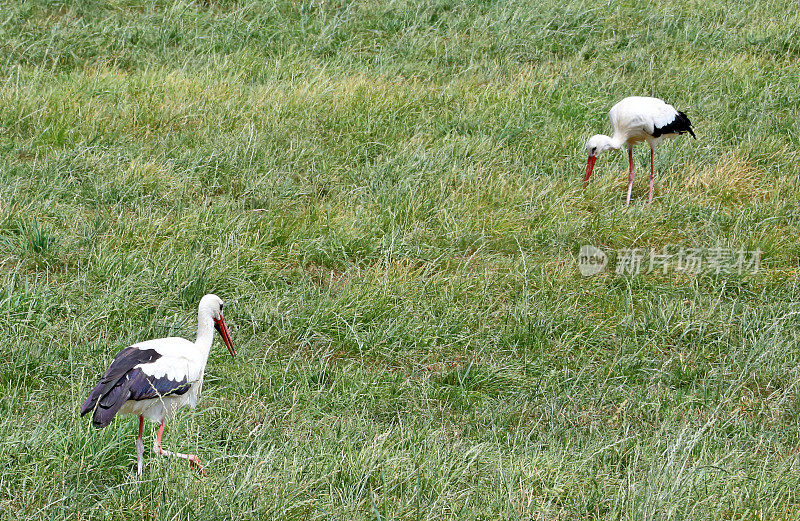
{"points": [[211, 306], [596, 144]]}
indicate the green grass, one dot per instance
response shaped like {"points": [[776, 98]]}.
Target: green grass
{"points": [[388, 194]]}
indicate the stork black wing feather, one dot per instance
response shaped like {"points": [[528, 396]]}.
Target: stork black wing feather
{"points": [[135, 385], [679, 125], [125, 360], [124, 381], [110, 404], [146, 387]]}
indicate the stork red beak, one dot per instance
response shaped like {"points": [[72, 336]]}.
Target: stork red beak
{"points": [[219, 325], [589, 167]]}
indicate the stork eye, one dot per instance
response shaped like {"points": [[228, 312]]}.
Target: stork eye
{"points": [[594, 149]]}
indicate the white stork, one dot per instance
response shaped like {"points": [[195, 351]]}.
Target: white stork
{"points": [[636, 119], [153, 379]]}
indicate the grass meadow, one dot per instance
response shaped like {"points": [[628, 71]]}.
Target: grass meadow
{"points": [[388, 195]]}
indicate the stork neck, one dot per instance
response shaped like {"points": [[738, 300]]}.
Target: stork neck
{"points": [[617, 140], [205, 332]]}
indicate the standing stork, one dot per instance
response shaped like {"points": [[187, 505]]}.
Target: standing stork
{"points": [[636, 119], [153, 379]]}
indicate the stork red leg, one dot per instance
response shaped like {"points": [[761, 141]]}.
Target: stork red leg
{"points": [[139, 447], [652, 176], [194, 461], [630, 174]]}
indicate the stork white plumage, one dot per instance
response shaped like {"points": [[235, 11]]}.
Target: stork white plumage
{"points": [[154, 379], [636, 119]]}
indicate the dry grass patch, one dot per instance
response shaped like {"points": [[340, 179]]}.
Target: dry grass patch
{"points": [[732, 179]]}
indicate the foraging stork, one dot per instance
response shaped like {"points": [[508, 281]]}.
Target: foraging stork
{"points": [[636, 119], [153, 379]]}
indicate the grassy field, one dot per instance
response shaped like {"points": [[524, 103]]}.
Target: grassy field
{"points": [[388, 195]]}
